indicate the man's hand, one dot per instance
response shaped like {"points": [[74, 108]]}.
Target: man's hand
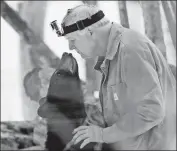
{"points": [[87, 134]]}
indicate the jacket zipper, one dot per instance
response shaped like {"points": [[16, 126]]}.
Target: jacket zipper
{"points": [[101, 99]]}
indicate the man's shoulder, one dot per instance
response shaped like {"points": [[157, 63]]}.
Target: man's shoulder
{"points": [[133, 41], [132, 37]]}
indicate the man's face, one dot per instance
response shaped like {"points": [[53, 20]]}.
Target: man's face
{"points": [[84, 44]]}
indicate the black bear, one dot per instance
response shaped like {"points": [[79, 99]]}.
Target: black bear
{"points": [[63, 107]]}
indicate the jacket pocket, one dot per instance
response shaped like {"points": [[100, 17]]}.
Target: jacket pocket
{"points": [[116, 99]]}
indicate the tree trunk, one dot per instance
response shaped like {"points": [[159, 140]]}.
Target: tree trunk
{"points": [[34, 52], [34, 41], [33, 13], [153, 24], [90, 2], [27, 11], [123, 14], [29, 57], [173, 69], [173, 5], [153, 27], [170, 20]]}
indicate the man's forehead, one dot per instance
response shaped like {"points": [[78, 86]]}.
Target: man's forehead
{"points": [[71, 36]]}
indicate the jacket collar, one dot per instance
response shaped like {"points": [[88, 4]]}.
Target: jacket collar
{"points": [[113, 42]]}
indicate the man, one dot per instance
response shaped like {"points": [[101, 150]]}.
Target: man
{"points": [[137, 91]]}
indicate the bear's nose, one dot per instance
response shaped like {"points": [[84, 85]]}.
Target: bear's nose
{"points": [[65, 53]]}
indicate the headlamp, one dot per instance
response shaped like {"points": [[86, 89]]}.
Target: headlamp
{"points": [[56, 28], [79, 25]]}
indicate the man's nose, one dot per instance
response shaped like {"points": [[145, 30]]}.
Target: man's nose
{"points": [[71, 45]]}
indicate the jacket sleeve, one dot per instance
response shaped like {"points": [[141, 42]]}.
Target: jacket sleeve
{"points": [[143, 99]]}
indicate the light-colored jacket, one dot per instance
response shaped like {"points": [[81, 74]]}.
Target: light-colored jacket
{"points": [[137, 93]]}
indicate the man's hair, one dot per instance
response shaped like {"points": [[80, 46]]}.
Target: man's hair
{"points": [[81, 12]]}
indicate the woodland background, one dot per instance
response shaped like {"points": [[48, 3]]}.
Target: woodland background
{"points": [[31, 51]]}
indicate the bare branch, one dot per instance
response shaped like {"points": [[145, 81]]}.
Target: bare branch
{"points": [[123, 14], [170, 20], [34, 41]]}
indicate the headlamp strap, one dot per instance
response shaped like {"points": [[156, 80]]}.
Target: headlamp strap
{"points": [[79, 25]]}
